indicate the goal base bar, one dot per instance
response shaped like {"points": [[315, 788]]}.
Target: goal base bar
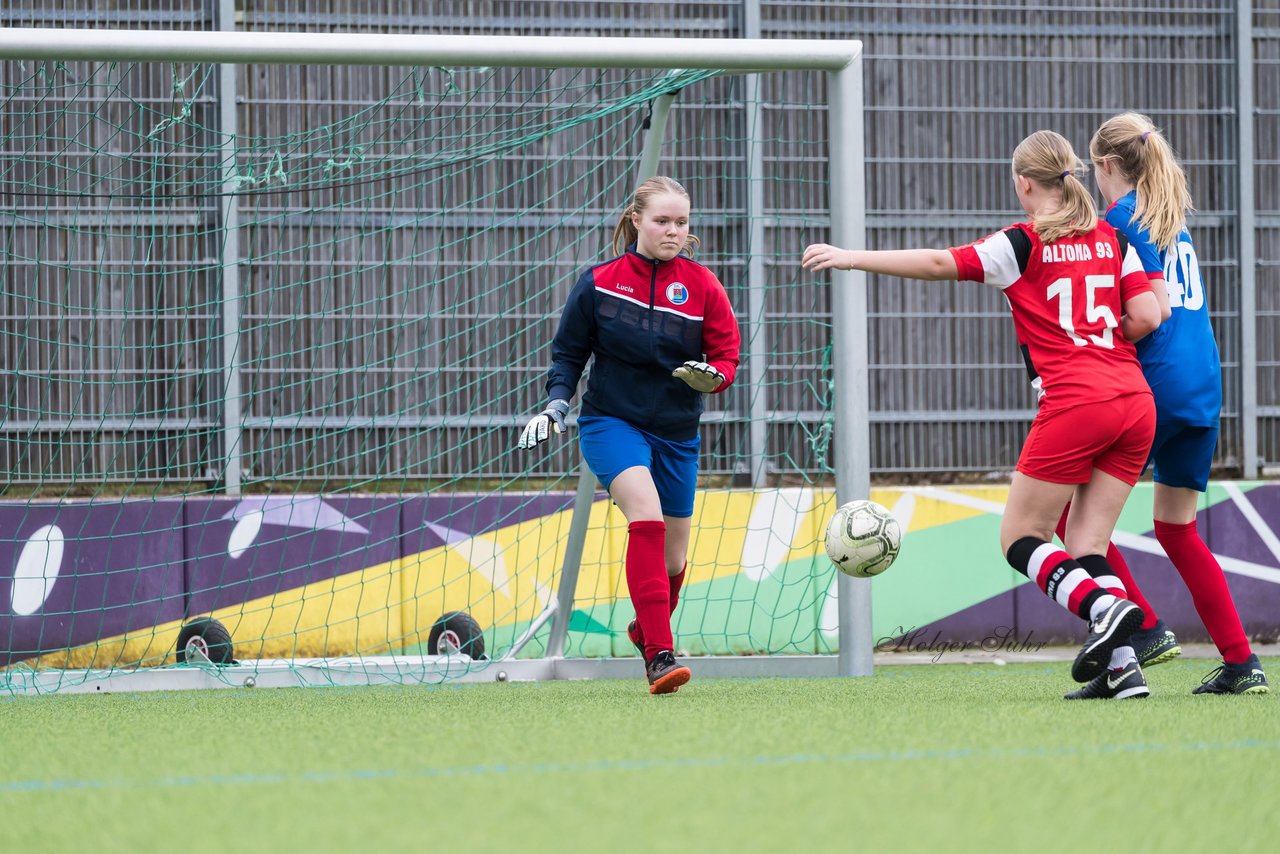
{"points": [[393, 670]]}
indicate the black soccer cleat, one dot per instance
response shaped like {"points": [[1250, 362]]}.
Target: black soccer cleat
{"points": [[637, 640], [1244, 678], [666, 674], [1112, 629], [1123, 684], [1155, 645]]}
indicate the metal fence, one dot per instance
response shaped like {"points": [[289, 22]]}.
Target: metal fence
{"points": [[950, 89]]}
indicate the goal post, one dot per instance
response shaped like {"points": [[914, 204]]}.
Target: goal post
{"points": [[258, 394]]}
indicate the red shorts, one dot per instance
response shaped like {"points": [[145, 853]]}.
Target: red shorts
{"points": [[1066, 445]]}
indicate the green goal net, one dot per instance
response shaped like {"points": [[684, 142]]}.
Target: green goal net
{"points": [[270, 333]]}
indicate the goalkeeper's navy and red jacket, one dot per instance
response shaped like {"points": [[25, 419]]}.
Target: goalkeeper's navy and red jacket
{"points": [[642, 319]]}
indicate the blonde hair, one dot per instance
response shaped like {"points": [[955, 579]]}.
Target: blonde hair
{"points": [[1047, 158], [625, 233], [1146, 160]]}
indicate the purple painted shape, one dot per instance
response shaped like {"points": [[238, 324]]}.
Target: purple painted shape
{"points": [[131, 565], [968, 624], [1049, 621], [471, 514], [121, 570], [964, 629], [1008, 621], [1257, 602], [283, 556], [1227, 532], [989, 626]]}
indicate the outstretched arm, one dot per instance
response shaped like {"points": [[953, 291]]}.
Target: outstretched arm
{"points": [[928, 264]]}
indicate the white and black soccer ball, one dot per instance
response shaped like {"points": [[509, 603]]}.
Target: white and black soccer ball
{"points": [[863, 538]]}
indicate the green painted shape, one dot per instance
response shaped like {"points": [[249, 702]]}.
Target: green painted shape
{"points": [[581, 621], [941, 570], [1136, 516], [777, 615]]}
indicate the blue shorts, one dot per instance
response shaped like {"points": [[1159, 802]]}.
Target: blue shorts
{"points": [[1183, 455], [611, 446]]}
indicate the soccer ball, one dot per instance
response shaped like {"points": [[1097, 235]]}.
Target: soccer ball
{"points": [[863, 538]]}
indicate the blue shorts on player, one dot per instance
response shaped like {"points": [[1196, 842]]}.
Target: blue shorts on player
{"points": [[611, 446], [1183, 456]]}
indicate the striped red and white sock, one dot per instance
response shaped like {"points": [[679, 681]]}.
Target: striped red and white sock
{"points": [[1059, 575], [1120, 569]]}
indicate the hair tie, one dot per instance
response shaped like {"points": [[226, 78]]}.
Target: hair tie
{"points": [[1144, 135], [1065, 173]]}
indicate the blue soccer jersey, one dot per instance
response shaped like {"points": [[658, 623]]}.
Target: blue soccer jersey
{"points": [[1179, 359]]}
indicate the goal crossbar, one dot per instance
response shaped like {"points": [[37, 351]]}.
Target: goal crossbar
{"points": [[426, 49]]}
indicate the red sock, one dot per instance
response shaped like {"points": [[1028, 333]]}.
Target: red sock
{"points": [[1132, 592], [1121, 569], [1203, 576], [675, 582], [646, 581]]}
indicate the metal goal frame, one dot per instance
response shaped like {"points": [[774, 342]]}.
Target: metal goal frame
{"points": [[842, 62]]}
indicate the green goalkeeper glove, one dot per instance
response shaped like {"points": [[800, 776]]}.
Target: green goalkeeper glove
{"points": [[699, 375], [538, 430]]}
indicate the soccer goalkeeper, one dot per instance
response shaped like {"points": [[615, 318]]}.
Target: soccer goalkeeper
{"points": [[663, 334]]}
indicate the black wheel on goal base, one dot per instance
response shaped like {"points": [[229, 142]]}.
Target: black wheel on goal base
{"points": [[456, 632], [205, 635]]}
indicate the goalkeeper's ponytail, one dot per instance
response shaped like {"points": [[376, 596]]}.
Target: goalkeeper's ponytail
{"points": [[625, 233]]}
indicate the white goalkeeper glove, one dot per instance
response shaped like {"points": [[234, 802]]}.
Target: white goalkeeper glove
{"points": [[699, 375], [538, 430]]}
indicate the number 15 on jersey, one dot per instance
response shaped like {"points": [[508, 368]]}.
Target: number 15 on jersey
{"points": [[1095, 287]]}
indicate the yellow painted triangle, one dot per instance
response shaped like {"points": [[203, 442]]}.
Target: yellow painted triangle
{"points": [[929, 512]]}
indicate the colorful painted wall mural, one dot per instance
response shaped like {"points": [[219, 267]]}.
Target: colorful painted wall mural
{"points": [[108, 583]]}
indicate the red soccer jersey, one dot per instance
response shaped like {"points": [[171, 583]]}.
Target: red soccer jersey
{"points": [[1066, 298]]}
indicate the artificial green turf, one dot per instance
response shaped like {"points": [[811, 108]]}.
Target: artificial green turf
{"points": [[945, 757]]}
